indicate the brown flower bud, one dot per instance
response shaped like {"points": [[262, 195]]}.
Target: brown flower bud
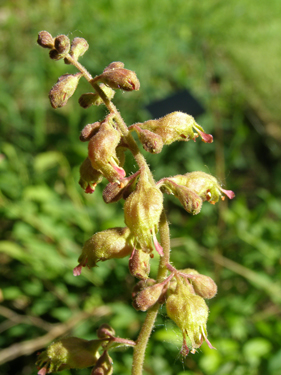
{"points": [[139, 264], [119, 78], [105, 331], [114, 65], [203, 285], [114, 191], [148, 297], [108, 244], [142, 212], [86, 100], [176, 126], [151, 142], [140, 285], [63, 89], [204, 185], [103, 365], [89, 177], [102, 152], [68, 353], [191, 201], [62, 44], [78, 47], [45, 40]]}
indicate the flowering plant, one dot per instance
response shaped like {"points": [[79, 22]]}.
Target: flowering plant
{"points": [[182, 291]]}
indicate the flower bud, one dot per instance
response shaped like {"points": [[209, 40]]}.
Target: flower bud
{"points": [[67, 353], [102, 152], [86, 100], [203, 285], [89, 177], [89, 131], [103, 365], [105, 331], [139, 264], [190, 313], [45, 40], [63, 89], [151, 142], [62, 44], [114, 191], [203, 184], [141, 285], [114, 65], [142, 212], [108, 244], [148, 297], [176, 126], [78, 47], [191, 201], [119, 78]]}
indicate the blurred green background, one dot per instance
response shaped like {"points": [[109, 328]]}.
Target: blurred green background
{"points": [[228, 54]]}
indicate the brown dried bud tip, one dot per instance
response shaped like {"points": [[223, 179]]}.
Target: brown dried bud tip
{"points": [[139, 264], [117, 77], [45, 40], [64, 89], [62, 44], [89, 177]]}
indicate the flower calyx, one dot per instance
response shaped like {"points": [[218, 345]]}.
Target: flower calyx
{"points": [[63, 89], [102, 150], [202, 285], [151, 142], [90, 98], [176, 126], [77, 49], [114, 191], [89, 177], [139, 265], [46, 40], [109, 244], [117, 77], [190, 313], [142, 212]]}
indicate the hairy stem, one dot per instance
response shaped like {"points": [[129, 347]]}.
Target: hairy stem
{"points": [[139, 349]]}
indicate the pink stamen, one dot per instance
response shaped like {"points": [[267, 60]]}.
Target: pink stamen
{"points": [[207, 341], [120, 171], [158, 247], [43, 371], [230, 194], [207, 138], [77, 271]]}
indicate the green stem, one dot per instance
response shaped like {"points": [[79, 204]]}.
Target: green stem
{"points": [[139, 349]]}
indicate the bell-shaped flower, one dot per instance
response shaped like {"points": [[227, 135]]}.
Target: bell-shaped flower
{"points": [[142, 212]]}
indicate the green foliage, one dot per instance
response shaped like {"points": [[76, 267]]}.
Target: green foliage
{"points": [[45, 218]]}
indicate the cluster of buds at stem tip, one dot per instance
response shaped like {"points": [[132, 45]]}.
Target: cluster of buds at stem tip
{"points": [[176, 126], [109, 244], [117, 77], [192, 189], [190, 313], [142, 212]]}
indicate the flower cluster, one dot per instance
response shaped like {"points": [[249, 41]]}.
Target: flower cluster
{"points": [[184, 291]]}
